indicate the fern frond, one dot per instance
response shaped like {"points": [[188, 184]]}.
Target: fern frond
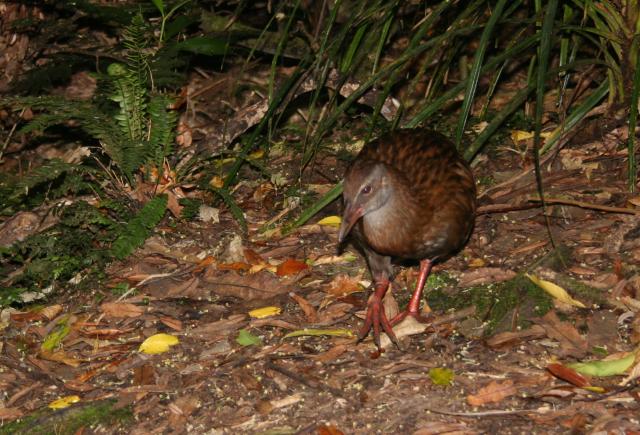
{"points": [[138, 229], [46, 173], [130, 94], [135, 38], [163, 125]]}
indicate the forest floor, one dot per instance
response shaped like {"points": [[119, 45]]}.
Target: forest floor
{"points": [[494, 359], [236, 373]]}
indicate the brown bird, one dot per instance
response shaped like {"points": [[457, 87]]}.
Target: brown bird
{"points": [[408, 196]]}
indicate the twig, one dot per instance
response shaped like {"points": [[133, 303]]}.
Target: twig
{"points": [[492, 413], [587, 205], [504, 208], [10, 135]]}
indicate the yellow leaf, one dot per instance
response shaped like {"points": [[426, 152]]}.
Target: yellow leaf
{"points": [[260, 313], [158, 343], [477, 262], [595, 389], [63, 402], [217, 182], [518, 135], [330, 221], [555, 290]]}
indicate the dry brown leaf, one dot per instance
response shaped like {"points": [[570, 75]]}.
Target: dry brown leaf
{"points": [[261, 285], [172, 204], [343, 285], [171, 287], [51, 311], [172, 323], [252, 257], [121, 309], [309, 311], [332, 354], [494, 392], [219, 329], [571, 342], [10, 413], [59, 356], [509, 338]]}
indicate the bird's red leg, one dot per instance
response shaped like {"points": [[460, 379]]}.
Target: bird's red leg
{"points": [[376, 316], [414, 304]]}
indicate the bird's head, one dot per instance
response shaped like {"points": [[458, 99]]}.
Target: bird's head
{"points": [[366, 188]]}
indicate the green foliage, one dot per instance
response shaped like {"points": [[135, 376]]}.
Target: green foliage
{"points": [[54, 179], [144, 129], [77, 242], [136, 231], [71, 420]]}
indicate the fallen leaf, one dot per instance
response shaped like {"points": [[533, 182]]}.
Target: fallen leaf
{"points": [[556, 291], [64, 402], [158, 343], [332, 354], [7, 414], [568, 374], [607, 367], [261, 285], [309, 311], [492, 393], [59, 356], [331, 221], [343, 285], [571, 342], [441, 376], [260, 313], [290, 267], [51, 311], [57, 334], [510, 338], [245, 338]]}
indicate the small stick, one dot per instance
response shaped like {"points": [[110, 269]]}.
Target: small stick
{"points": [[587, 205], [493, 413]]}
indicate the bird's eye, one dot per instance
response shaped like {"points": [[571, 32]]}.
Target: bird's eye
{"points": [[366, 189]]}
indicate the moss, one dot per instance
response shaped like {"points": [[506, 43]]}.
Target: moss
{"points": [[69, 420], [496, 302]]}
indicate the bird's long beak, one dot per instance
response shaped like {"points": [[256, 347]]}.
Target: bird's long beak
{"points": [[349, 218]]}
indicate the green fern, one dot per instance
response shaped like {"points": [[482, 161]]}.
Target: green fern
{"points": [[136, 39], [48, 172], [138, 229], [162, 126]]}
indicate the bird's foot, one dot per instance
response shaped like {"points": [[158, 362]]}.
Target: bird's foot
{"points": [[420, 317], [376, 318]]}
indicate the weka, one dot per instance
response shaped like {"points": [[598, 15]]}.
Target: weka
{"points": [[407, 196]]}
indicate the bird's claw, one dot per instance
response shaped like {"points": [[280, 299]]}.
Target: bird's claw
{"points": [[376, 317]]}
